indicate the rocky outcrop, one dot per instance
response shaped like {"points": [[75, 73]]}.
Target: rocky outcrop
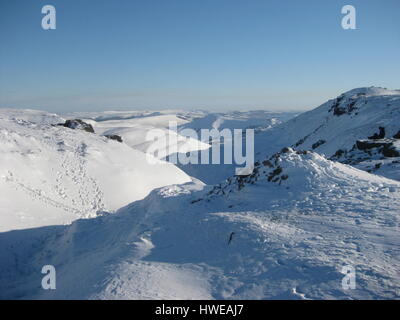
{"points": [[368, 144], [379, 135], [114, 137], [339, 106], [77, 124]]}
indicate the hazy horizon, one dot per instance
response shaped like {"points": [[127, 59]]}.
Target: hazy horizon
{"points": [[217, 56]]}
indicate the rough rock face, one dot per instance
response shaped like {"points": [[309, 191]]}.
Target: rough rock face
{"points": [[78, 124], [380, 156], [114, 137], [341, 106], [368, 144], [379, 135], [368, 148], [384, 146]]}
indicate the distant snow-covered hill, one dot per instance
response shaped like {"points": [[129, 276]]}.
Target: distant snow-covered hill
{"points": [[51, 174]]}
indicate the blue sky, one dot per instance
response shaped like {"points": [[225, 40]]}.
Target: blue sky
{"points": [[210, 54]]}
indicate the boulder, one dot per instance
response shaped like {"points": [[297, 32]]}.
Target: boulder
{"points": [[379, 135], [114, 137], [77, 124]]}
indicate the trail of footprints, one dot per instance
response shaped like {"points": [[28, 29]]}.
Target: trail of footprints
{"points": [[72, 189], [86, 193]]}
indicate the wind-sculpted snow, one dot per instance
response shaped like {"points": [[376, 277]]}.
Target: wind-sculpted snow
{"points": [[52, 175], [285, 239]]}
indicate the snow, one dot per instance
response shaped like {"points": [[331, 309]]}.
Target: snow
{"points": [[260, 121], [288, 243], [116, 227], [59, 174], [373, 108], [133, 128]]}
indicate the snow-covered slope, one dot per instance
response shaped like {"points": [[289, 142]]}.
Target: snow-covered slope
{"points": [[51, 174], [271, 237], [133, 127], [30, 115], [284, 232], [336, 125], [260, 121]]}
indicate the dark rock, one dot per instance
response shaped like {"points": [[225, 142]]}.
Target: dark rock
{"points": [[379, 135], [351, 106], [301, 141], [386, 147], [318, 143], [267, 163], [301, 152], [339, 153], [276, 172], [77, 124], [114, 137], [339, 109], [397, 135], [390, 152], [366, 145]]}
